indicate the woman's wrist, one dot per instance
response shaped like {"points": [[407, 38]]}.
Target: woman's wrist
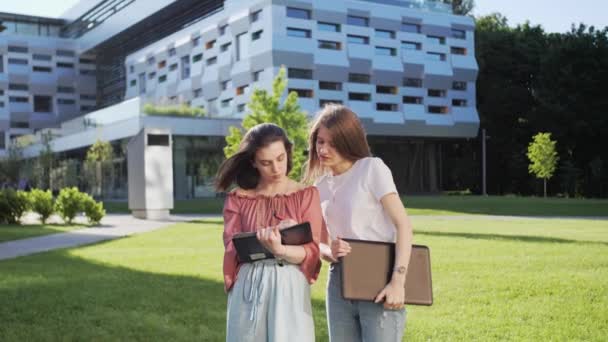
{"points": [[281, 253]]}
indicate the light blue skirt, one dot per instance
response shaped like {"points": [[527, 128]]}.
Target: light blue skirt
{"points": [[270, 303]]}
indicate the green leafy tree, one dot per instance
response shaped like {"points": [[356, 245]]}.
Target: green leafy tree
{"points": [[266, 107], [462, 7], [41, 202], [543, 158], [46, 161], [99, 154]]}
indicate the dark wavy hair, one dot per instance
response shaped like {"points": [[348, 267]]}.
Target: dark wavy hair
{"points": [[239, 167]]}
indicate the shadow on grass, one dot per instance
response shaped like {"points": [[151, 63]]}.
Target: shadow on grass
{"points": [[208, 221], [62, 297], [520, 238]]}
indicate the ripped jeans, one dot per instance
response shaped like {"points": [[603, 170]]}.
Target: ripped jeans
{"points": [[355, 320]]}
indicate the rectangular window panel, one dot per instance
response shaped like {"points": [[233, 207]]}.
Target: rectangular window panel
{"points": [[359, 96], [358, 78], [330, 27], [305, 74], [330, 85], [300, 33], [298, 13], [354, 39], [357, 21]]}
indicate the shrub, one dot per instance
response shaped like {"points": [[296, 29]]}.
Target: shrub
{"points": [[69, 203], [93, 210], [41, 202], [13, 204], [181, 110]]}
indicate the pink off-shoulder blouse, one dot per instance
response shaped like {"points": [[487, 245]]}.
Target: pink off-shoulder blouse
{"points": [[244, 213]]}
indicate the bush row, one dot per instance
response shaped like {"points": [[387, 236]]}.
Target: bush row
{"points": [[69, 203]]}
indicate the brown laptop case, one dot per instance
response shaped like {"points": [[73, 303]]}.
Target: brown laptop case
{"points": [[368, 268]]}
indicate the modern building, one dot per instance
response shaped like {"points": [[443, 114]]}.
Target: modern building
{"points": [[407, 67]]}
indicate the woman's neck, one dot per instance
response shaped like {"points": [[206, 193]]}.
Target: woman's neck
{"points": [[273, 188], [342, 167]]}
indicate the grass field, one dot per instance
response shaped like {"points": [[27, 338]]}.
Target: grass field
{"points": [[494, 279], [440, 205]]}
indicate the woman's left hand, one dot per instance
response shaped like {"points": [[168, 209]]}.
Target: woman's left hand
{"points": [[393, 295], [271, 239]]}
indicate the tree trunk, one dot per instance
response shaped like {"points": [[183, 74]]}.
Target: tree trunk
{"points": [[545, 186]]}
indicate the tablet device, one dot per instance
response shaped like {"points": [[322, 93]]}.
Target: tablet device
{"points": [[249, 248], [368, 268]]}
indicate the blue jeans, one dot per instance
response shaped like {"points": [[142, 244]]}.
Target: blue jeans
{"points": [[356, 320]]}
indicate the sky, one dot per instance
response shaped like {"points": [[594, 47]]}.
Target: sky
{"points": [[552, 15]]}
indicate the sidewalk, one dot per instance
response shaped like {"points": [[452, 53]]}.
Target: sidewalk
{"points": [[113, 226]]}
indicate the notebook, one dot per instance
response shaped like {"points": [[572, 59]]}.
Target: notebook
{"points": [[249, 249], [368, 268]]}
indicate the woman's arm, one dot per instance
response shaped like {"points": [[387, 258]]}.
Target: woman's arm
{"points": [[271, 239]]}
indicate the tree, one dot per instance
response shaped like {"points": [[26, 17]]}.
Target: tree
{"points": [[266, 107], [99, 154], [543, 157], [462, 7], [46, 160]]}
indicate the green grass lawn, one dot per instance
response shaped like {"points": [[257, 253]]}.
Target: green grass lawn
{"points": [[515, 279], [439, 205], [14, 232]]}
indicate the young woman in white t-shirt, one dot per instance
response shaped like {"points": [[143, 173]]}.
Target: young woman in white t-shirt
{"points": [[359, 200]]}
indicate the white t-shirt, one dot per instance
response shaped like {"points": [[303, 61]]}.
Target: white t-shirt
{"points": [[351, 201]]}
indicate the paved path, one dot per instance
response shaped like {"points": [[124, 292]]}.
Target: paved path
{"points": [[113, 226]]}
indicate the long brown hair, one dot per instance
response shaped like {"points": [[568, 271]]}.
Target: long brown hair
{"points": [[347, 137], [239, 167]]}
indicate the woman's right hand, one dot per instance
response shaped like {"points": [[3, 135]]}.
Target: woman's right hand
{"points": [[339, 248]]}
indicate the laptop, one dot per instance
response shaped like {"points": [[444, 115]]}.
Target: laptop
{"points": [[249, 248], [368, 268]]}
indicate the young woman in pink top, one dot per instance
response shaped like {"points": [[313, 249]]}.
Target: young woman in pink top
{"points": [[268, 300], [359, 201]]}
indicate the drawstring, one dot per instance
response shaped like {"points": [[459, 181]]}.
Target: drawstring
{"points": [[254, 280], [383, 319]]}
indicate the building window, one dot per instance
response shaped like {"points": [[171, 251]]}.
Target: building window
{"points": [[459, 102], [386, 90], [198, 92], [359, 96], [142, 83], [17, 86], [172, 52], [305, 74], [65, 65], [329, 45], [386, 107], [298, 13], [87, 61], [410, 45], [185, 64], [436, 93], [173, 67], [412, 82], [2, 135], [385, 51], [296, 32], [412, 99], [358, 78], [1, 105], [330, 85], [87, 72], [435, 56], [357, 21], [88, 97], [242, 89], [459, 85], [66, 90], [131, 69], [240, 108], [256, 35], [323, 103], [255, 16], [226, 103], [66, 101], [409, 27], [226, 84], [1, 63], [211, 60], [353, 39], [436, 40], [385, 34], [225, 47], [65, 53], [210, 44], [151, 75], [43, 104], [222, 29], [151, 60], [18, 49], [458, 50], [458, 34], [162, 78], [197, 58], [196, 41], [41, 57], [256, 75], [162, 64], [18, 99], [437, 110], [17, 61], [330, 27], [306, 93], [240, 46], [17, 124], [87, 109]]}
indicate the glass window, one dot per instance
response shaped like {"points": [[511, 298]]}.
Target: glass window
{"points": [[385, 34], [185, 64], [196, 41], [305, 74], [436, 93], [65, 65], [19, 49], [17, 61], [412, 99], [198, 92], [41, 57], [67, 90], [353, 39], [409, 27], [18, 99], [41, 69], [142, 83], [222, 29], [436, 40], [210, 44], [458, 34], [212, 61], [43, 104], [296, 32], [306, 93], [437, 109], [66, 101], [256, 35], [330, 85], [387, 107], [172, 52], [412, 82], [65, 53], [359, 96], [256, 75], [459, 85], [197, 58], [226, 103], [410, 45], [458, 50], [162, 78], [385, 51], [435, 56], [459, 102], [329, 45], [357, 21], [255, 16], [299, 13], [322, 26], [225, 47], [17, 86], [358, 78], [386, 89]]}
